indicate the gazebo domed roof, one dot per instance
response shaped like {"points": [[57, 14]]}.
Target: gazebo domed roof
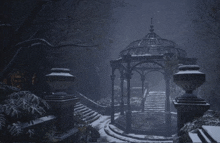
{"points": [[152, 44]]}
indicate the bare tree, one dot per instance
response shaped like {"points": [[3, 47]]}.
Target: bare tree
{"points": [[66, 24], [206, 23]]}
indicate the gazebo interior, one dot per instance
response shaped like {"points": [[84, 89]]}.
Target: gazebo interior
{"points": [[149, 54]]}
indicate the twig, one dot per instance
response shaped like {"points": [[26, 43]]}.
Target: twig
{"points": [[31, 43]]}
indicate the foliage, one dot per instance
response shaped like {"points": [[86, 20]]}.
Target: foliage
{"points": [[212, 119], [18, 108], [24, 106], [206, 40], [88, 133], [6, 90]]}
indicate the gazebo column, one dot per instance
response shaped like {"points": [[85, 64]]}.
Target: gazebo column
{"points": [[167, 78], [112, 105], [128, 77], [122, 93], [142, 83], [143, 98]]}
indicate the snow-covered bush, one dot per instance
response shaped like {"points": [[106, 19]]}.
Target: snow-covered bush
{"points": [[212, 119], [19, 107]]}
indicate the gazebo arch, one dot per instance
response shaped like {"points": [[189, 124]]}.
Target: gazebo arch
{"points": [[164, 55]]}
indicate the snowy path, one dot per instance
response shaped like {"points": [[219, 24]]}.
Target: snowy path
{"points": [[102, 124], [99, 124]]}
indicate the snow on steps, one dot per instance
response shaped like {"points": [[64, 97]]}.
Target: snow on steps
{"points": [[86, 114], [155, 101], [207, 134]]}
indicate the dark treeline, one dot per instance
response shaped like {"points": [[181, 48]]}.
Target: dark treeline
{"points": [[83, 24], [206, 42]]}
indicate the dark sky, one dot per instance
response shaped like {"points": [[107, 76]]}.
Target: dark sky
{"points": [[171, 21]]}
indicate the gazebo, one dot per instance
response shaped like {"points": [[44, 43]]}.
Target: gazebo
{"points": [[151, 53]]}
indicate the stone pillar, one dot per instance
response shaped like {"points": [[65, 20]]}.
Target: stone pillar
{"points": [[128, 112], [122, 93], [112, 104], [144, 96], [61, 103], [142, 83], [189, 106], [62, 106], [167, 102], [189, 109]]}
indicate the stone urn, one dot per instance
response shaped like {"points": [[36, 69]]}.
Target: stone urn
{"points": [[189, 106], [189, 78], [60, 80], [61, 103]]}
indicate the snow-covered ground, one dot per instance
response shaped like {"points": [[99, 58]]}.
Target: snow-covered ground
{"points": [[99, 124]]}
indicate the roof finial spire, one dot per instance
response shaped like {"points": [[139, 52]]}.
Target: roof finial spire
{"points": [[151, 26]]}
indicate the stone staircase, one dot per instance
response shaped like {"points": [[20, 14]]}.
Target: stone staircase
{"points": [[207, 134], [155, 101], [84, 114]]}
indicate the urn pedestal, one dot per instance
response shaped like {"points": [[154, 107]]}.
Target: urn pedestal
{"points": [[189, 106], [61, 103]]}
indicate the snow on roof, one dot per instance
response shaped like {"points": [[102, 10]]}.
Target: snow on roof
{"points": [[59, 74], [189, 72]]}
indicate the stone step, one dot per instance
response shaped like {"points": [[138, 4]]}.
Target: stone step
{"points": [[156, 92], [203, 137], [79, 107], [86, 114], [158, 104], [194, 137], [78, 104], [212, 132], [94, 118], [155, 102], [154, 107], [156, 96], [155, 110], [206, 134], [91, 117], [84, 109], [153, 99]]}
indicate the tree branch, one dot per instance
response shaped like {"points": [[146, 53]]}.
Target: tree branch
{"points": [[32, 43]]}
